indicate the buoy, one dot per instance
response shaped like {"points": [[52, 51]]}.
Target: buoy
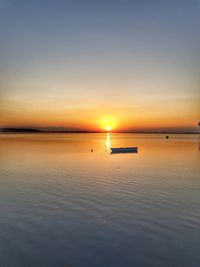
{"points": [[167, 137], [91, 150]]}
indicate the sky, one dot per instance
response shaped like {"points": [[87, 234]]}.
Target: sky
{"points": [[133, 65]]}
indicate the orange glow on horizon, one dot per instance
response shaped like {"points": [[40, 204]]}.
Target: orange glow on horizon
{"points": [[120, 119]]}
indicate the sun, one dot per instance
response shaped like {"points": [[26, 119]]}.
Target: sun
{"points": [[108, 128], [108, 123]]}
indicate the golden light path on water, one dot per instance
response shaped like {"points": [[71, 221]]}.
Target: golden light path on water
{"points": [[108, 143]]}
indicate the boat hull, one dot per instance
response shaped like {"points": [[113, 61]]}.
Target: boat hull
{"points": [[115, 150]]}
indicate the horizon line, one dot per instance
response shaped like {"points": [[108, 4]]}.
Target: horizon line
{"points": [[45, 130]]}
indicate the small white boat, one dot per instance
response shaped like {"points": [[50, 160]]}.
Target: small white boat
{"points": [[115, 150]]}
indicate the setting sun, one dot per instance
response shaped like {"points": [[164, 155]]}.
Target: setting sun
{"points": [[108, 128], [108, 123]]}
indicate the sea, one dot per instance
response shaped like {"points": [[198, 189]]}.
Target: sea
{"points": [[67, 201]]}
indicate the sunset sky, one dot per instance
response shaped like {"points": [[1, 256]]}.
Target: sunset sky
{"points": [[85, 64]]}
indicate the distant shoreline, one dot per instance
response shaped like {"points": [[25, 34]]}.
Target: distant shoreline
{"points": [[33, 131]]}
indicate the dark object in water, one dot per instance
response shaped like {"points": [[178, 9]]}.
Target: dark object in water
{"points": [[167, 136], [91, 150], [115, 150]]}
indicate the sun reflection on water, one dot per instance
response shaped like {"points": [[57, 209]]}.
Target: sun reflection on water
{"points": [[108, 143]]}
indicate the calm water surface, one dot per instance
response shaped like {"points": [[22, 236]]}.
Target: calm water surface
{"points": [[62, 204]]}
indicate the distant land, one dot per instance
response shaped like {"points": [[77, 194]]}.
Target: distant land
{"points": [[62, 130], [32, 130], [19, 130]]}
